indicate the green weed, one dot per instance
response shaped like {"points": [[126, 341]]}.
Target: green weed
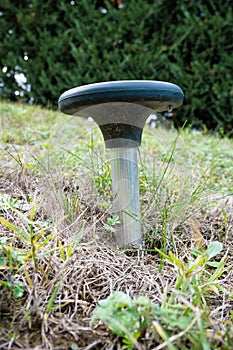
{"points": [[182, 318], [111, 222], [181, 177]]}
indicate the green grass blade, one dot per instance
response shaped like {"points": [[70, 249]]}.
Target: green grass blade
{"points": [[14, 228]]}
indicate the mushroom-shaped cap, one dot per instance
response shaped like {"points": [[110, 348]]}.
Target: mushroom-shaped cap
{"points": [[156, 95], [121, 108]]}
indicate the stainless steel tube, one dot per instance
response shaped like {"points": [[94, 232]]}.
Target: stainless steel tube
{"points": [[126, 203]]}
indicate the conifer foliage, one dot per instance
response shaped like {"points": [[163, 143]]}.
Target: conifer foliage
{"points": [[50, 46]]}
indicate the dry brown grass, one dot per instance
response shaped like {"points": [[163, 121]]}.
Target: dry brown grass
{"points": [[96, 268], [94, 271]]}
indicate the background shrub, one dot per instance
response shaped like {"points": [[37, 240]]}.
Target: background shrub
{"points": [[61, 44]]}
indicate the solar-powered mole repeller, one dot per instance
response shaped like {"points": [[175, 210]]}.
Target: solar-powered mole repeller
{"points": [[120, 109]]}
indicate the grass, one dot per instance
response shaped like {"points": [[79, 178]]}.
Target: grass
{"points": [[64, 283]]}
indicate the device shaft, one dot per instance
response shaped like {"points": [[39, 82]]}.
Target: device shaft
{"points": [[126, 203]]}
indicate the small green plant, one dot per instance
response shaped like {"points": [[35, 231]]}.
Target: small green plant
{"points": [[194, 277], [34, 235], [103, 179], [16, 287], [11, 260], [130, 318], [7, 202], [181, 313], [10, 257], [124, 316], [111, 222]]}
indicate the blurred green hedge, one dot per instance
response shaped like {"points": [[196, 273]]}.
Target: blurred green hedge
{"points": [[62, 44]]}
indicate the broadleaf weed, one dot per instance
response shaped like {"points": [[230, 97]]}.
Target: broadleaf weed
{"points": [[182, 313]]}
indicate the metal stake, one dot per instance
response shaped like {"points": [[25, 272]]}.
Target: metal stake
{"points": [[126, 203]]}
